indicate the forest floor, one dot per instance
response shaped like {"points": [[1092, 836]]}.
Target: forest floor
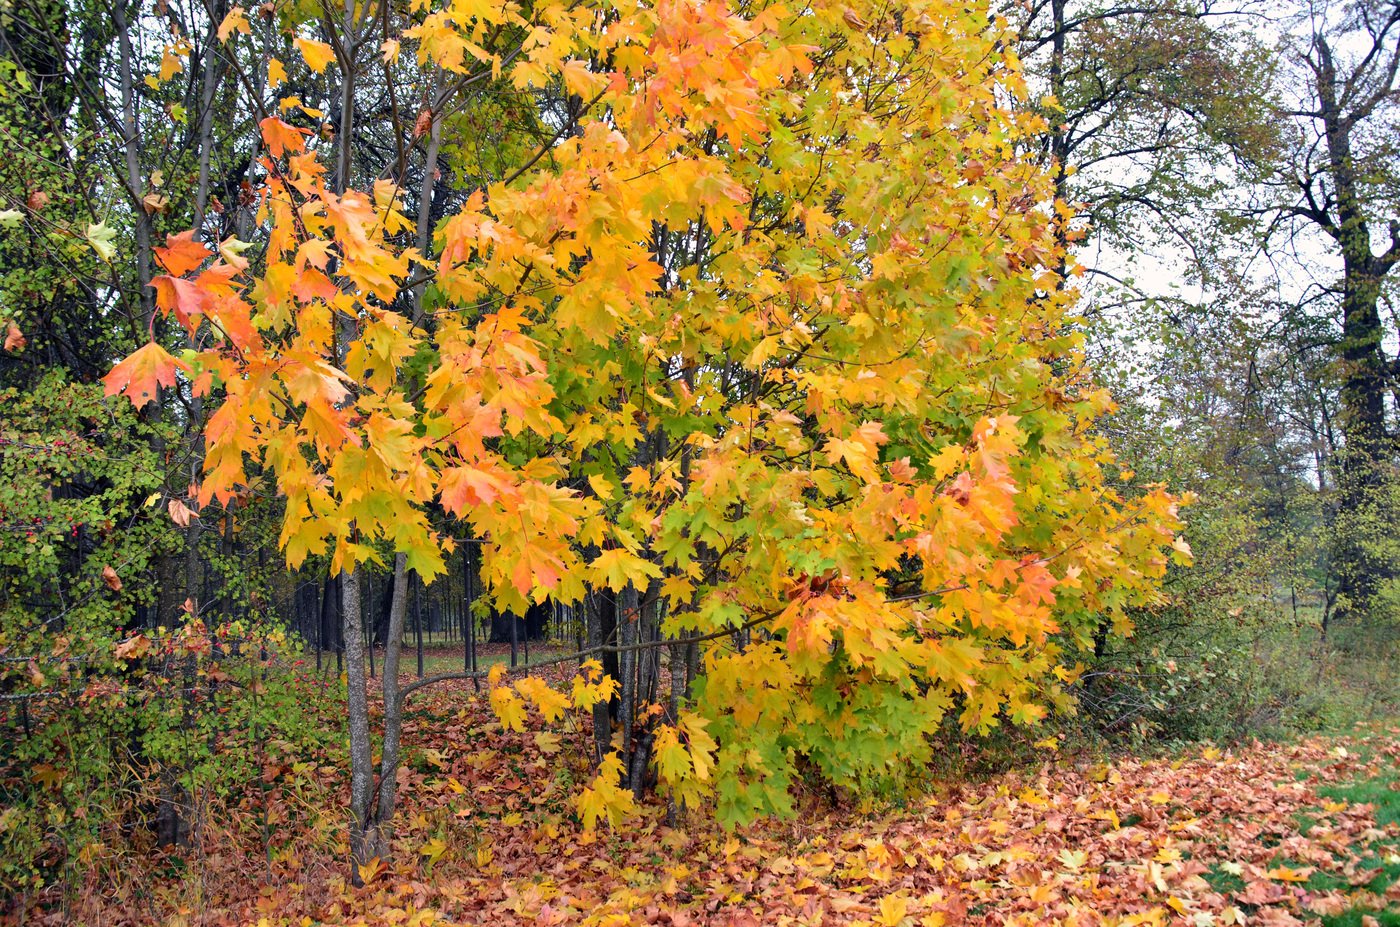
{"points": [[1268, 834]]}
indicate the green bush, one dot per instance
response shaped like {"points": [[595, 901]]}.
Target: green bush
{"points": [[114, 715]]}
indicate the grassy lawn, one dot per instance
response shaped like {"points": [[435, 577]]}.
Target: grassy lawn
{"points": [[1382, 793], [440, 659], [447, 658]]}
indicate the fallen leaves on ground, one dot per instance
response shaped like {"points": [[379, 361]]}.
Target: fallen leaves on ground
{"points": [[487, 834]]}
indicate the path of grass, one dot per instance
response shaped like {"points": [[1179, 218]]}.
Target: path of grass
{"points": [[1382, 793], [1377, 791], [440, 659]]}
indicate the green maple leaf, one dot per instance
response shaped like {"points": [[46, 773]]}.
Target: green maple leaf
{"points": [[101, 237]]}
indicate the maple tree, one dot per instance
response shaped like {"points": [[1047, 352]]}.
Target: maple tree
{"points": [[764, 342], [734, 347]]}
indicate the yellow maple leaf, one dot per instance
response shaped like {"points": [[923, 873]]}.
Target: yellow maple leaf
{"points": [[552, 703], [509, 709], [317, 55], [236, 20], [893, 910], [579, 80], [371, 870], [172, 61], [605, 799], [1289, 874], [434, 850]]}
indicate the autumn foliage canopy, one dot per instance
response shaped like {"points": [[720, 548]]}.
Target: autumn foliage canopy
{"points": [[776, 330]]}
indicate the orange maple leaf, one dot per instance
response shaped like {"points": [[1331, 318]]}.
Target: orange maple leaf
{"points": [[464, 487], [281, 137], [182, 297], [181, 253], [142, 374], [14, 338], [133, 648]]}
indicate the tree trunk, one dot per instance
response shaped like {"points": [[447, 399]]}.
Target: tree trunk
{"points": [[362, 849], [1367, 448], [417, 619], [379, 827], [602, 623], [628, 624]]}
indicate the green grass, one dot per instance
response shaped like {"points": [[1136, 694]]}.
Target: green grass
{"points": [[1377, 792], [1353, 918], [437, 661], [1224, 882], [1385, 800], [443, 655]]}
